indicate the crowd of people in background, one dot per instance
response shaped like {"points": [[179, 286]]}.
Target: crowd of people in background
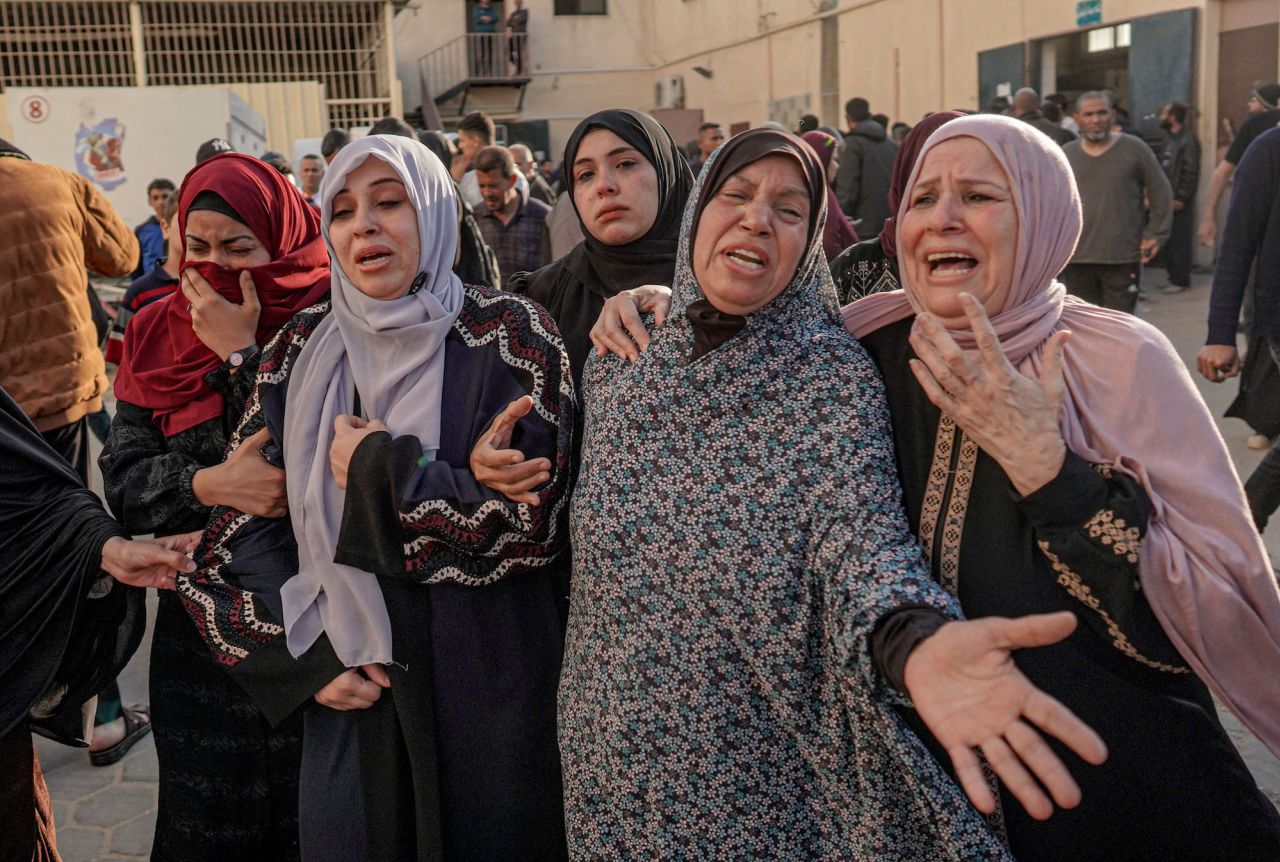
{"points": [[665, 501]]}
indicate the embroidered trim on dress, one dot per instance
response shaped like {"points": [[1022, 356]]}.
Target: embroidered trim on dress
{"points": [[935, 490], [953, 530], [1079, 590], [1112, 531]]}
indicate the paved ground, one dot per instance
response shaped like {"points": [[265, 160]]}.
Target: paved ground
{"points": [[109, 813]]}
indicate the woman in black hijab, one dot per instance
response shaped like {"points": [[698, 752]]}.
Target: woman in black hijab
{"points": [[628, 183]]}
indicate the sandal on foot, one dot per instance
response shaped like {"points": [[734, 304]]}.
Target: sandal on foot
{"points": [[137, 724]]}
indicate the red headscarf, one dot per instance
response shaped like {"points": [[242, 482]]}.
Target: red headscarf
{"points": [[164, 362], [903, 162], [838, 233]]}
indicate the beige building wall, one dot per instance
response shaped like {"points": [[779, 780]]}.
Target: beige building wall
{"points": [[292, 109]]}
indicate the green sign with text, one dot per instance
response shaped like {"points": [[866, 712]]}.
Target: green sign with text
{"points": [[1088, 12]]}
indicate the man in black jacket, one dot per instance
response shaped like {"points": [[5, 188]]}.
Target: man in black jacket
{"points": [[866, 169], [1026, 107], [1180, 158]]}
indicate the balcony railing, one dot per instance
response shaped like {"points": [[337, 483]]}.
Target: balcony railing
{"points": [[476, 59]]}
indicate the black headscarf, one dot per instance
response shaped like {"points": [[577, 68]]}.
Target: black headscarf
{"points": [[574, 288], [712, 327], [651, 259]]}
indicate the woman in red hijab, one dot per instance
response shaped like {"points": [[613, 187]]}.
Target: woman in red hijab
{"points": [[838, 234], [252, 257]]}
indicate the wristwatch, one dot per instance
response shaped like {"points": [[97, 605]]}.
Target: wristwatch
{"points": [[243, 355]]}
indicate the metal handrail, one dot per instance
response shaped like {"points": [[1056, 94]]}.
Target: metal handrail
{"points": [[476, 58]]}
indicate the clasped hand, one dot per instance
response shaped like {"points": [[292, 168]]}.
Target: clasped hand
{"points": [[1013, 417]]}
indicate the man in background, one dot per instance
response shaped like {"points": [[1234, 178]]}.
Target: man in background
{"points": [[311, 172], [333, 141], [866, 168], [1180, 158], [539, 189], [511, 222], [710, 136], [1117, 175], [1026, 107], [1264, 114], [150, 234]]}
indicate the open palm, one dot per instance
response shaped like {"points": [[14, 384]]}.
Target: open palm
{"points": [[970, 694]]}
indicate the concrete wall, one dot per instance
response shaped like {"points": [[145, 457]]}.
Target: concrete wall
{"points": [[163, 127]]}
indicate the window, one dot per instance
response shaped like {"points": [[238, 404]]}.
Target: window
{"points": [[1108, 38], [581, 7]]}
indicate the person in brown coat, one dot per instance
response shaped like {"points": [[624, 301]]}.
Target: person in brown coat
{"points": [[56, 225]]}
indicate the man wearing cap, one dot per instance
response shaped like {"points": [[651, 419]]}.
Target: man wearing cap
{"points": [[1264, 102], [213, 147]]}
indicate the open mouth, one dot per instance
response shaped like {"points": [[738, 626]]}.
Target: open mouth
{"points": [[748, 259], [951, 263], [373, 257]]}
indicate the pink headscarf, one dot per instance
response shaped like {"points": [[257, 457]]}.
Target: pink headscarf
{"points": [[1202, 565]]}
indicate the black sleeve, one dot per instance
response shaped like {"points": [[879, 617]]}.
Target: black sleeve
{"points": [[279, 683], [1089, 522], [1188, 178], [234, 385], [148, 481], [896, 635]]}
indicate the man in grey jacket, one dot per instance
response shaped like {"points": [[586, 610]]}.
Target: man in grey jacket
{"points": [[866, 169], [1118, 177]]}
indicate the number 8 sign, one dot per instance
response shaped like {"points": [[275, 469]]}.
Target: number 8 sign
{"points": [[35, 109]]}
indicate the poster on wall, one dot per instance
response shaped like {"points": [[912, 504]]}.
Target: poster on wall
{"points": [[99, 153]]}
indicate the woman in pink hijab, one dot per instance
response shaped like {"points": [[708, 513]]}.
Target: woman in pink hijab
{"points": [[1055, 455]]}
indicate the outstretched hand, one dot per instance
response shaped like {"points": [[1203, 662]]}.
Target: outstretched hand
{"points": [[970, 694], [1013, 417], [505, 470], [620, 328], [156, 563]]}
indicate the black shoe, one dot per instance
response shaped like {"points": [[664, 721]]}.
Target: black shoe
{"points": [[137, 724]]}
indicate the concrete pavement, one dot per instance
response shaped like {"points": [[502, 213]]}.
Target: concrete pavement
{"points": [[109, 813]]}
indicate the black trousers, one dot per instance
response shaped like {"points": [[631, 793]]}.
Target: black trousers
{"points": [[1178, 251], [1262, 488], [1110, 285]]}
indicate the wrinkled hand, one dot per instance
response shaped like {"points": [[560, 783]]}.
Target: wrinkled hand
{"points": [[505, 470], [354, 690], [156, 563], [245, 481], [348, 433], [1217, 362], [620, 329], [1014, 418], [223, 326], [970, 694], [1147, 250], [1208, 231]]}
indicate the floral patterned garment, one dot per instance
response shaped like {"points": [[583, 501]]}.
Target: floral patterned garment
{"points": [[738, 533]]}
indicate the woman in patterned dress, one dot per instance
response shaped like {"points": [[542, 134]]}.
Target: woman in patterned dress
{"points": [[739, 539], [1037, 481], [407, 612]]}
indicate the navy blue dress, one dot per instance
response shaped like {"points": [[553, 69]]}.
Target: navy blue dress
{"points": [[458, 758]]}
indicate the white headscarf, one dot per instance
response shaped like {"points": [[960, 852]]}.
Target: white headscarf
{"points": [[392, 353]]}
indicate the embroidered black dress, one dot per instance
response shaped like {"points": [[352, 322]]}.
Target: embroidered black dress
{"points": [[1173, 786], [228, 780], [863, 269], [458, 759]]}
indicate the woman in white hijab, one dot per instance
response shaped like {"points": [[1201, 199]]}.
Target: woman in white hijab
{"points": [[419, 627]]}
